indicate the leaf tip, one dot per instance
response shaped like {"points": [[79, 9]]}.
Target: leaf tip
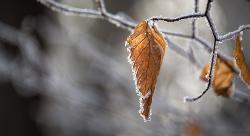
{"points": [[145, 107], [146, 118]]}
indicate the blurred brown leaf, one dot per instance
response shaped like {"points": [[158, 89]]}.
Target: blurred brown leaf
{"points": [[223, 77], [240, 61], [192, 128], [146, 47]]}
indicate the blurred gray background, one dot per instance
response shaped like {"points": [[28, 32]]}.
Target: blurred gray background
{"points": [[69, 76]]}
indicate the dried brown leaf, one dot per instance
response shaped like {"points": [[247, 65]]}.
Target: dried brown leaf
{"points": [[223, 77], [193, 128], [240, 61], [146, 47]]}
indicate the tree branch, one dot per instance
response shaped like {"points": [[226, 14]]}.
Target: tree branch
{"points": [[61, 8], [232, 34], [102, 13]]}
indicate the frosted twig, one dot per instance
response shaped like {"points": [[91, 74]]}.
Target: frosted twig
{"points": [[129, 25], [212, 26], [196, 8], [103, 14], [230, 35], [210, 76], [61, 8], [208, 6], [214, 54], [193, 15], [114, 19]]}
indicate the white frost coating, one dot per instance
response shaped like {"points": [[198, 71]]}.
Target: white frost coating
{"points": [[241, 35], [186, 99], [119, 22], [207, 76], [126, 44], [115, 22], [142, 109], [151, 23], [147, 95], [211, 73], [133, 70], [137, 88], [230, 35]]}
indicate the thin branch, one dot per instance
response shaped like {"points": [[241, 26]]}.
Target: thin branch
{"points": [[210, 75], [194, 15], [226, 36], [212, 26], [101, 6], [208, 6], [61, 8], [232, 34], [196, 8]]}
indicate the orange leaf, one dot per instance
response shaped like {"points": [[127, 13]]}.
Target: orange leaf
{"points": [[240, 61], [146, 47], [223, 77]]}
